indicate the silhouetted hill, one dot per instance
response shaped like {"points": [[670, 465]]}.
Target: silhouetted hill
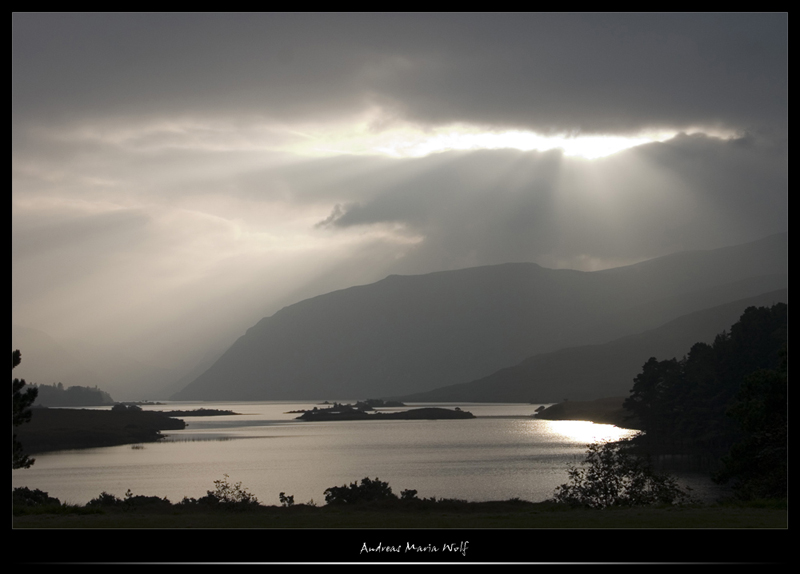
{"points": [[595, 371], [408, 334], [76, 396]]}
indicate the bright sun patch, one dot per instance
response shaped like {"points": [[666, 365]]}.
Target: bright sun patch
{"points": [[406, 140]]}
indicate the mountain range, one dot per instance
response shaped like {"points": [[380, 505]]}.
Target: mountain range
{"points": [[590, 372], [469, 328]]}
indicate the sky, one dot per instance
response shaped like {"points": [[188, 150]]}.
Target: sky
{"points": [[177, 177]]}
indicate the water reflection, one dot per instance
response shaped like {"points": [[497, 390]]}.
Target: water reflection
{"points": [[588, 432], [502, 454]]}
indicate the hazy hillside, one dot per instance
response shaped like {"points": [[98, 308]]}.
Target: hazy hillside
{"points": [[655, 313], [595, 371], [408, 334]]}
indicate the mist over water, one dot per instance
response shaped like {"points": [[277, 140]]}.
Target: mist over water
{"points": [[501, 454]]}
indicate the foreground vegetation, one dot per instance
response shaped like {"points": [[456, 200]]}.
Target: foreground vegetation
{"points": [[726, 401], [372, 504], [438, 514], [443, 514]]}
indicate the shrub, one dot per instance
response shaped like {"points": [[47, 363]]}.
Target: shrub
{"points": [[231, 493], [367, 491], [228, 495], [408, 495], [139, 500], [105, 499], [24, 496], [614, 477]]}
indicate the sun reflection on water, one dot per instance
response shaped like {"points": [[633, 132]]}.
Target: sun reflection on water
{"points": [[588, 432]]}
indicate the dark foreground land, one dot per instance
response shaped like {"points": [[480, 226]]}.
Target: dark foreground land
{"points": [[62, 429], [421, 514]]}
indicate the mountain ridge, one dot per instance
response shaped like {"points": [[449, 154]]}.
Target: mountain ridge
{"points": [[408, 334]]}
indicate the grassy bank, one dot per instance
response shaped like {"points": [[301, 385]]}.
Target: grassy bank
{"points": [[443, 514]]}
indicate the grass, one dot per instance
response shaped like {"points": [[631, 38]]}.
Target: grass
{"points": [[452, 515]]}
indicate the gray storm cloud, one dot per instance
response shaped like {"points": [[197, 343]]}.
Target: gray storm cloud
{"points": [[590, 72]]}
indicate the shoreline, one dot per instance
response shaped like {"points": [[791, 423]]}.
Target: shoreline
{"points": [[600, 411], [52, 430]]}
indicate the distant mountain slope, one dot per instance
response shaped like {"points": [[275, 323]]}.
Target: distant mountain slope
{"points": [[408, 334], [655, 313], [595, 371]]}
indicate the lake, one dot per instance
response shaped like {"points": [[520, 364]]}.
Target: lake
{"points": [[501, 454]]}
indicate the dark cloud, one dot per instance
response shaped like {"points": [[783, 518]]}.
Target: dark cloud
{"points": [[590, 72]]}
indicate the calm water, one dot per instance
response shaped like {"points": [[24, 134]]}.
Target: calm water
{"points": [[501, 454]]}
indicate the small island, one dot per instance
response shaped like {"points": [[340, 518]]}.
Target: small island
{"points": [[368, 405], [352, 413], [199, 413], [134, 407]]}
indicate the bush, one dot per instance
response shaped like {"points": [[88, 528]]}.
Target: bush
{"points": [[614, 477], [231, 493], [367, 491], [24, 496], [408, 495], [228, 495], [139, 500], [105, 499]]}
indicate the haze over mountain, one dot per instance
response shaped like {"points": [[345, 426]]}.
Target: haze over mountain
{"points": [[47, 360], [409, 334], [596, 371]]}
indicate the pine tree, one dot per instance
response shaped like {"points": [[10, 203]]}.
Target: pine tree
{"points": [[21, 413]]}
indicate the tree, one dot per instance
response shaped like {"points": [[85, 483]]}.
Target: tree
{"points": [[681, 405], [615, 477], [758, 464], [21, 413], [652, 397]]}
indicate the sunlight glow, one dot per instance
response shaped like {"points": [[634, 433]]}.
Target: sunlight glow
{"points": [[403, 140], [588, 432], [370, 133]]}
